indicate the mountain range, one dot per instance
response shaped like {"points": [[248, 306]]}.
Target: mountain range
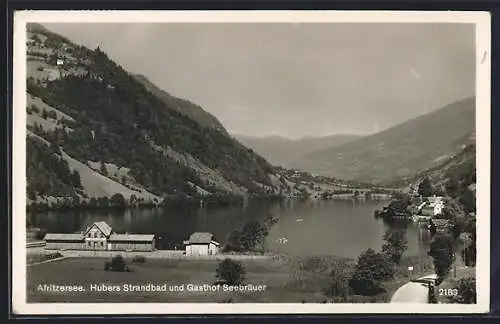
{"points": [[95, 130], [282, 151], [400, 151]]}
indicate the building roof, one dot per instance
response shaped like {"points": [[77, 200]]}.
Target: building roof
{"points": [[103, 227], [440, 222], [63, 236], [131, 237], [434, 199], [201, 238]]}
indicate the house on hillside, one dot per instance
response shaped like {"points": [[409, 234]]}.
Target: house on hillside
{"points": [[441, 225], [52, 74], [201, 243], [99, 237], [432, 207]]}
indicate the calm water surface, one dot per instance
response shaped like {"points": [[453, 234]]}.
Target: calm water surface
{"points": [[342, 228]]}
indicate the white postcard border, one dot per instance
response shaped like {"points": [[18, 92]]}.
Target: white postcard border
{"points": [[483, 120]]}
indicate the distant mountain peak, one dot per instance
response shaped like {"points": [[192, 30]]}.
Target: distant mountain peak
{"points": [[283, 151], [401, 150]]}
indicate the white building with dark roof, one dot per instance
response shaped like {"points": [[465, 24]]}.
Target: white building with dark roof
{"points": [[201, 243], [433, 206], [99, 236]]}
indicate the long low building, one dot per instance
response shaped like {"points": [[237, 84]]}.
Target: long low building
{"points": [[99, 236]]}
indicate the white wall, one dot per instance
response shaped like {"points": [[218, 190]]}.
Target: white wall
{"points": [[97, 240], [213, 249], [197, 249]]}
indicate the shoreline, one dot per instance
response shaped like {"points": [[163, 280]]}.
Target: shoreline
{"points": [[29, 208], [157, 254]]}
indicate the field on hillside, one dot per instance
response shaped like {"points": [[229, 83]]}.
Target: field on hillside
{"points": [[282, 282]]}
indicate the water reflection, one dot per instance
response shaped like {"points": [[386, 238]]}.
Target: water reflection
{"points": [[343, 228]]}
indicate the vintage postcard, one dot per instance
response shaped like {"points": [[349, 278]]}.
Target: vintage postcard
{"points": [[251, 162]]}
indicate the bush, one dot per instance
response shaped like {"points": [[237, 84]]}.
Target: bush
{"points": [[252, 236], [139, 259], [231, 272], [395, 244], [469, 254], [117, 263], [466, 291], [39, 235], [443, 254], [234, 242], [53, 255], [338, 285], [371, 270], [117, 200]]}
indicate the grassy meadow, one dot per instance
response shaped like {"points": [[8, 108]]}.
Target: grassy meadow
{"points": [[283, 282]]}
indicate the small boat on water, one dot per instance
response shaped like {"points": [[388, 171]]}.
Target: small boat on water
{"points": [[299, 220]]}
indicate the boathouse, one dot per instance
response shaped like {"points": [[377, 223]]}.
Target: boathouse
{"points": [[99, 237], [201, 243]]}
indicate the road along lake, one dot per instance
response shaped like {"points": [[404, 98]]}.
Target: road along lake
{"points": [[342, 228]]}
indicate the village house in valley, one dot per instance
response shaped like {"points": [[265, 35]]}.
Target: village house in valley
{"points": [[433, 206], [99, 236], [201, 243], [441, 225]]}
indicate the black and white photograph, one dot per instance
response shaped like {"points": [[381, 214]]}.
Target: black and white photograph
{"points": [[251, 162]]}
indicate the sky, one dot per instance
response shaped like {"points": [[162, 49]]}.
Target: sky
{"points": [[296, 80]]}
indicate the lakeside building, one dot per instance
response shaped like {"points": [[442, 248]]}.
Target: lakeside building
{"points": [[432, 207], [441, 225], [99, 237], [201, 243]]}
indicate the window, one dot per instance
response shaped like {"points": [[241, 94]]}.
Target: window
{"points": [[89, 244], [95, 234], [102, 243], [88, 235]]}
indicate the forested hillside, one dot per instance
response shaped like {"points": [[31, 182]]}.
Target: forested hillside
{"points": [[99, 114], [455, 177], [48, 174], [182, 106]]}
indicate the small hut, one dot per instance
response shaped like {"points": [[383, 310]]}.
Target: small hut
{"points": [[201, 243]]}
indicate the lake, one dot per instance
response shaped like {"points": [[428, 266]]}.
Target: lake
{"points": [[332, 227]]}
